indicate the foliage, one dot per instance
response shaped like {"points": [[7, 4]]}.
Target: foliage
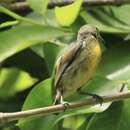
{"points": [[29, 43]]}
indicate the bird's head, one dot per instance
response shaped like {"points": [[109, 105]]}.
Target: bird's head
{"points": [[91, 32], [87, 30]]}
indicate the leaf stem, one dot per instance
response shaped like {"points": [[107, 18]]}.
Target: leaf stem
{"points": [[9, 23], [16, 16]]}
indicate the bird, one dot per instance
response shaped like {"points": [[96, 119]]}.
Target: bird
{"points": [[77, 63]]}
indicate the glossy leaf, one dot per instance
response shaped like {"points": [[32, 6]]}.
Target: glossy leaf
{"points": [[115, 62], [117, 117], [40, 96], [17, 39], [74, 122], [66, 15], [51, 51], [107, 18], [13, 80], [39, 6], [49, 18], [38, 49]]}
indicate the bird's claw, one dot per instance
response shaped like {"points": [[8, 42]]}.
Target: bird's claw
{"points": [[66, 105], [98, 99]]}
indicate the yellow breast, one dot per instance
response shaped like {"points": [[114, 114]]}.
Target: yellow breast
{"points": [[96, 55]]}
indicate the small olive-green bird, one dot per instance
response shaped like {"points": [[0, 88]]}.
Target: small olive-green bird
{"points": [[77, 63]]}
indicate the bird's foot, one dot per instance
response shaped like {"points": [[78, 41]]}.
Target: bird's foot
{"points": [[97, 98], [65, 104]]}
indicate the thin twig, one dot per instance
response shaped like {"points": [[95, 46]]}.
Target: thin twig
{"points": [[23, 5], [6, 117]]}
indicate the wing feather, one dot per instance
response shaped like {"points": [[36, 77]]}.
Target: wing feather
{"points": [[65, 59]]}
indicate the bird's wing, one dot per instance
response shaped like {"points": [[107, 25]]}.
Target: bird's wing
{"points": [[65, 60]]}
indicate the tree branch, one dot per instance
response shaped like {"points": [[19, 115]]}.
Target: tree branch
{"points": [[23, 5], [6, 117]]}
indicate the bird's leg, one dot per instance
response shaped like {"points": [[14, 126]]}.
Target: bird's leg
{"points": [[95, 96], [59, 100], [66, 104]]}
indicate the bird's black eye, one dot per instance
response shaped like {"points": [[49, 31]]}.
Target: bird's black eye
{"points": [[94, 34]]}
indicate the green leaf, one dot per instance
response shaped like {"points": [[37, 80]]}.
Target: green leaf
{"points": [[48, 19], [19, 38], [13, 80], [50, 51], [39, 6], [74, 122], [102, 27], [117, 117], [66, 15], [120, 13], [107, 18], [38, 49], [115, 62], [40, 96]]}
